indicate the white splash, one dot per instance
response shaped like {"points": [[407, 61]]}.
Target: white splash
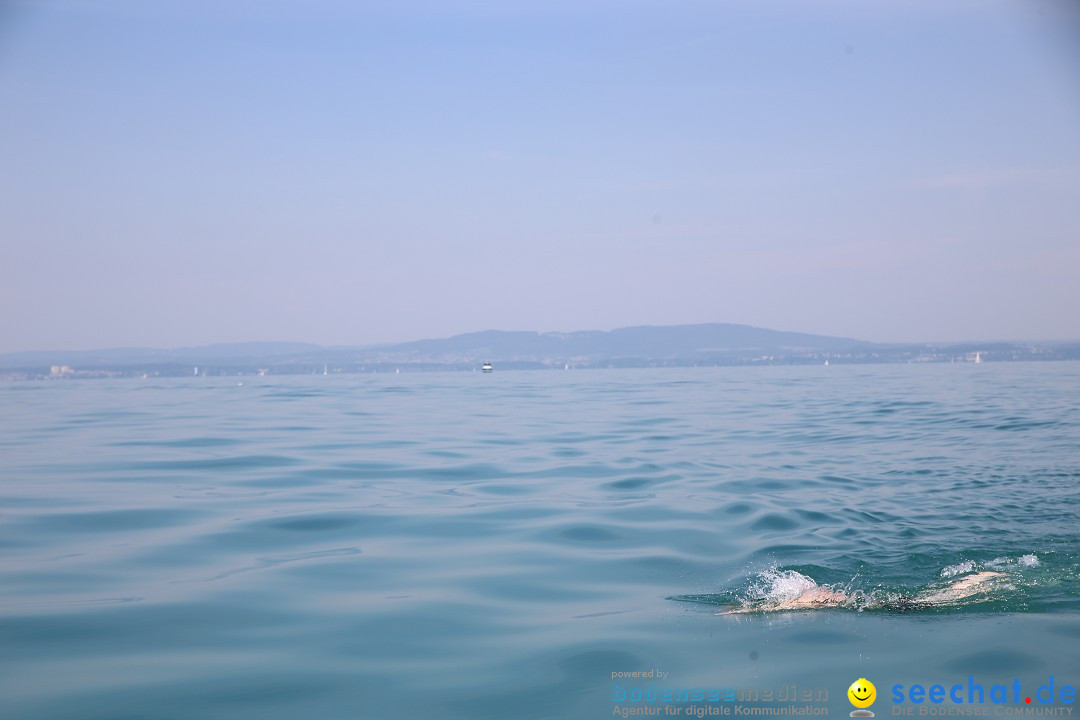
{"points": [[1006, 563], [958, 569], [778, 586]]}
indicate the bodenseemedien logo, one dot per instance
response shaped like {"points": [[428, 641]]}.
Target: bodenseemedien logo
{"points": [[862, 695]]}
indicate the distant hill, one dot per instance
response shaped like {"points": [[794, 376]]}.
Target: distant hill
{"points": [[642, 346], [643, 342]]}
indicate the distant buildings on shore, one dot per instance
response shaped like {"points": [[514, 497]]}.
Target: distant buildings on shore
{"points": [[702, 345]]}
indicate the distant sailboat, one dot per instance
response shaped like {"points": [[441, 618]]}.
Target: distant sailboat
{"points": [[978, 358]]}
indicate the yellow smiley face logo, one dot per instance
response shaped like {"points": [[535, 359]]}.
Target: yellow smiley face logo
{"points": [[862, 693]]}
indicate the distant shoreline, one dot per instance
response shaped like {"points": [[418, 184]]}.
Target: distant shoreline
{"points": [[62, 373], [702, 345]]}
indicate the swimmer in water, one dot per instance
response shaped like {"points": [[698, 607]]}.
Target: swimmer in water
{"points": [[818, 596]]}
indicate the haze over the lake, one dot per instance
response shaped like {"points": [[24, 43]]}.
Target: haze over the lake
{"points": [[182, 173]]}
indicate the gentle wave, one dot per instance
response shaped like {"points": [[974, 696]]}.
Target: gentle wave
{"points": [[449, 545]]}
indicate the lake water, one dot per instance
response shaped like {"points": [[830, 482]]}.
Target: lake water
{"points": [[497, 546]]}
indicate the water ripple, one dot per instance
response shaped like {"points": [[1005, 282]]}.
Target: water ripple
{"points": [[452, 545]]}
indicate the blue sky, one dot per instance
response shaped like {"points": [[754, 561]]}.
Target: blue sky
{"points": [[179, 173]]}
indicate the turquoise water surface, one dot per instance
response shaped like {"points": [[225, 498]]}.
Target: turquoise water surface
{"points": [[498, 546]]}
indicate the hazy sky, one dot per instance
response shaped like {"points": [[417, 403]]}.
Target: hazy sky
{"points": [[187, 172]]}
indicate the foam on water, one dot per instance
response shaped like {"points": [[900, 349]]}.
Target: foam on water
{"points": [[1029, 560], [953, 570], [1006, 563], [775, 586]]}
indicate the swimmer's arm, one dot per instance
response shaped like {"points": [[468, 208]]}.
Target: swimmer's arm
{"points": [[736, 610], [962, 588], [816, 597]]}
